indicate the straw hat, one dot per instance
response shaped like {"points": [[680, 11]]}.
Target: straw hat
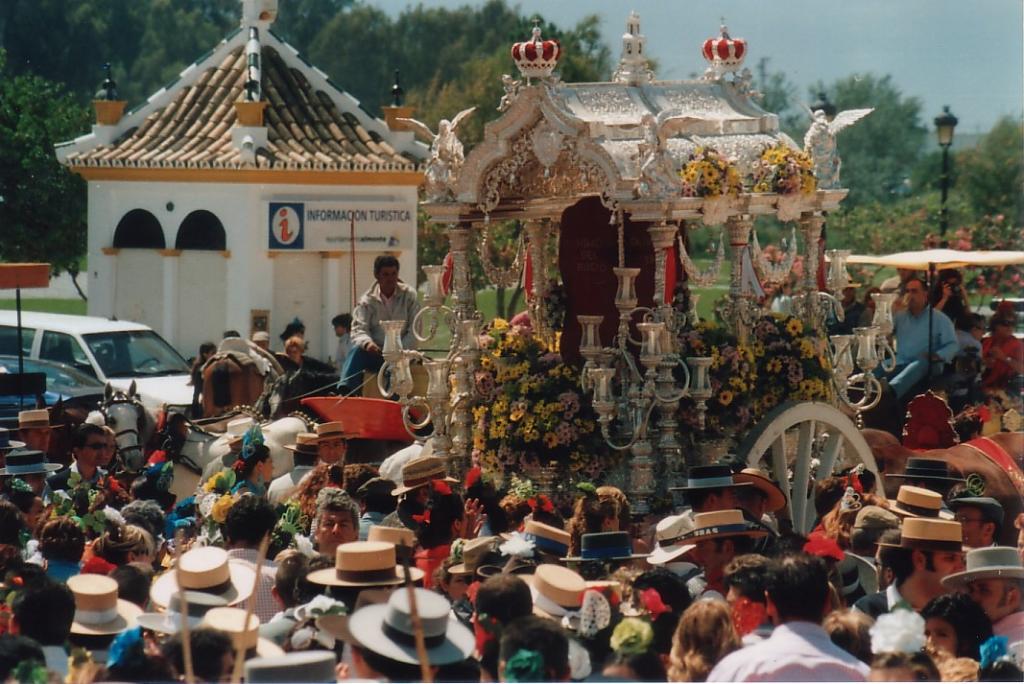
{"points": [[605, 546], [98, 610], [419, 472], [763, 483], [402, 537], [710, 477], [991, 562], [929, 534], [306, 444], [364, 564], [27, 462], [668, 536], [474, 554], [917, 502], [721, 524], [298, 666], [244, 635], [547, 538], [387, 629], [7, 443], [34, 419], [207, 569], [927, 469], [169, 622], [399, 536], [332, 430], [556, 590]]}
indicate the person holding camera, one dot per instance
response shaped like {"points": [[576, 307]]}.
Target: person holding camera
{"points": [[948, 294]]}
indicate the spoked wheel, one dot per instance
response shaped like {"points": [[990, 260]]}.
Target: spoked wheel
{"points": [[801, 443]]}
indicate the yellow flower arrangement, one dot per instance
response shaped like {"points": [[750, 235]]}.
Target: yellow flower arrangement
{"points": [[784, 170], [725, 397], [220, 509], [708, 173]]}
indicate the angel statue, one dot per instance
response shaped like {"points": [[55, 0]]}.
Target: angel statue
{"points": [[820, 143], [446, 155], [658, 175]]}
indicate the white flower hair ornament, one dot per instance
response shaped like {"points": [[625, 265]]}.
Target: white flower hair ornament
{"points": [[518, 546], [901, 631], [850, 501]]}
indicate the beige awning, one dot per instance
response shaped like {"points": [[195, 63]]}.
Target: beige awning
{"points": [[940, 258]]}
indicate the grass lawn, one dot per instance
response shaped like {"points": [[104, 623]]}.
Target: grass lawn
{"points": [[63, 306]]}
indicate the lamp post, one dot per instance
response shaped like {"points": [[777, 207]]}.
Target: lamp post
{"points": [[824, 105], [944, 125]]}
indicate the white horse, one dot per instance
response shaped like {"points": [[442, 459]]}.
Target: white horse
{"points": [[132, 424], [203, 453]]}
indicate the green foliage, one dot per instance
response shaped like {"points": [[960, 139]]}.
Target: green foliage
{"points": [[991, 176], [42, 204]]}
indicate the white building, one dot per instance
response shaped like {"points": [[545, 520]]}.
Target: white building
{"points": [[227, 199]]}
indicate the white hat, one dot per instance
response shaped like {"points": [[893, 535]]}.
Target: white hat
{"points": [[387, 629], [668, 535]]}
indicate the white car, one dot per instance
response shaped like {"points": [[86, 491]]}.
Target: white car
{"points": [[117, 352]]}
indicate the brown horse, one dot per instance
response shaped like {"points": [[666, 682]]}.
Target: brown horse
{"points": [[963, 460]]}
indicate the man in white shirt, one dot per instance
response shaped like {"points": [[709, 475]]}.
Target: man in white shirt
{"points": [[798, 648], [389, 299]]}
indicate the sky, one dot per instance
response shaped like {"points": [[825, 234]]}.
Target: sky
{"points": [[968, 54]]}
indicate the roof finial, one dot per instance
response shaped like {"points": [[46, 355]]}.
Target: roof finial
{"points": [[108, 89], [253, 67], [633, 67], [397, 94]]}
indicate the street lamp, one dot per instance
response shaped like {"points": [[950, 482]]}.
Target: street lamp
{"points": [[945, 123], [824, 105]]}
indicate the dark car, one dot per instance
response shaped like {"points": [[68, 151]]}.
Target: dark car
{"points": [[63, 382]]}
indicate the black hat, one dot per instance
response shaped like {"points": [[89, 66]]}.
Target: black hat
{"points": [[710, 477], [927, 469], [989, 507]]}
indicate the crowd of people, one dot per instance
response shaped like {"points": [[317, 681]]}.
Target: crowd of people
{"points": [[971, 357], [399, 572]]}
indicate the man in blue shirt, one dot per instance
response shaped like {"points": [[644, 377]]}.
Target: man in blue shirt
{"points": [[911, 332]]}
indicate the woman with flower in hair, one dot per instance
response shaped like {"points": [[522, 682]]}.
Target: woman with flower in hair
{"points": [[253, 468], [704, 636], [28, 502], [625, 515], [591, 513], [440, 523]]}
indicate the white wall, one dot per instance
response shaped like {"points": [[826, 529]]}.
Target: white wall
{"points": [[249, 275]]}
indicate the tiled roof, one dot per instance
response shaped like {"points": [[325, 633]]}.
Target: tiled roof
{"points": [[306, 129]]}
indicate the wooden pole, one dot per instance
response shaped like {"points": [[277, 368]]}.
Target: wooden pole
{"points": [[186, 639], [417, 626], [261, 555]]}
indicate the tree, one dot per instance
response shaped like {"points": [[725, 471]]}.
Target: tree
{"points": [[880, 151], [42, 204], [991, 175]]}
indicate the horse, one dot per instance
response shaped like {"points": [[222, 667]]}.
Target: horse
{"points": [[965, 459], [202, 454], [132, 424]]}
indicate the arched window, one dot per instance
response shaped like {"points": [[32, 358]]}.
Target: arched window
{"points": [[139, 229], [201, 230]]}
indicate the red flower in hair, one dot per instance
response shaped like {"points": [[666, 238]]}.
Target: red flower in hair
{"points": [[541, 501], [472, 476], [97, 566], [653, 604], [441, 487], [423, 519], [607, 591], [853, 480], [823, 547]]}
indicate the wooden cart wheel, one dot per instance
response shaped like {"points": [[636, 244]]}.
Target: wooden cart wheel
{"points": [[798, 441]]}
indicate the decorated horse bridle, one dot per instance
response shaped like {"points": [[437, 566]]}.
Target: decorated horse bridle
{"points": [[122, 398]]}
